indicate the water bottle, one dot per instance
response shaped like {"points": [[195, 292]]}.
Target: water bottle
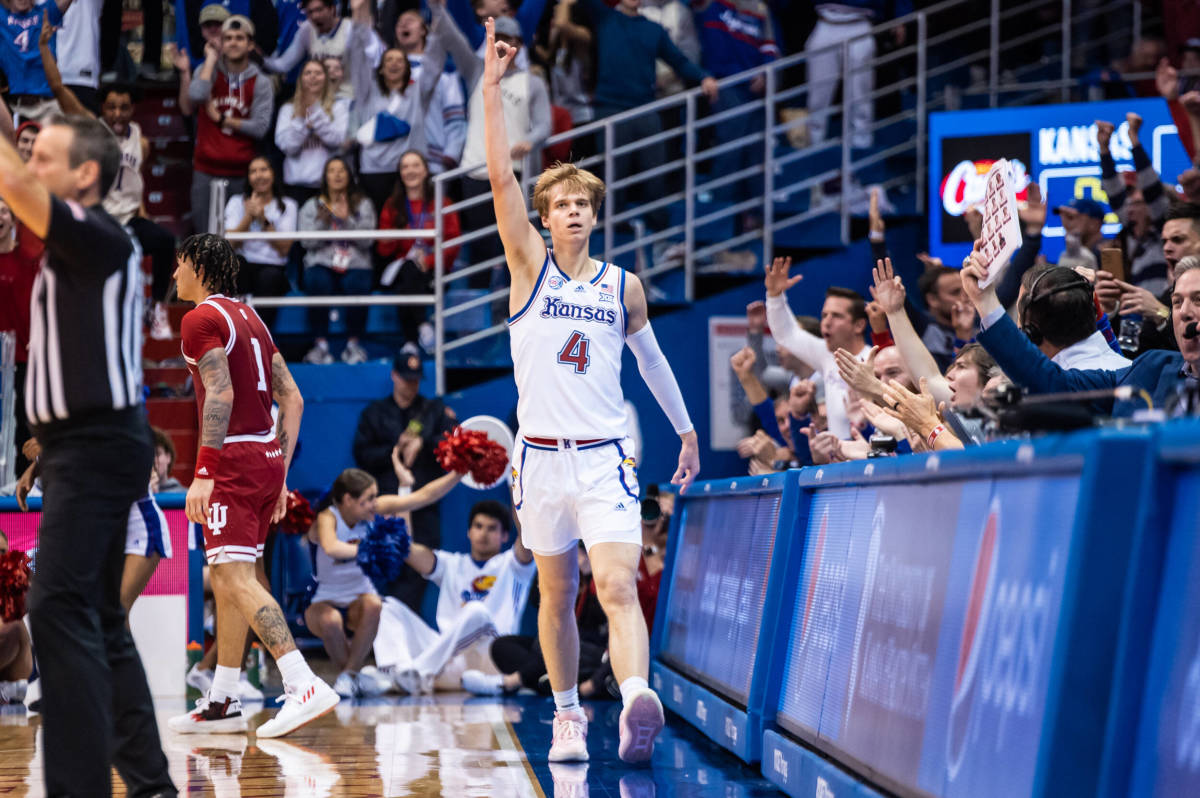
{"points": [[195, 652], [1130, 335]]}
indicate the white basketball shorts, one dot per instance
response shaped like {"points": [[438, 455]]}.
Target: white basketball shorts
{"points": [[571, 492], [146, 532]]}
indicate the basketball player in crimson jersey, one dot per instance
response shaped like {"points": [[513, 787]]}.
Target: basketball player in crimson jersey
{"points": [[239, 489], [573, 471]]}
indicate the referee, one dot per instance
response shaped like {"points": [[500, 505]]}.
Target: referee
{"points": [[83, 398]]}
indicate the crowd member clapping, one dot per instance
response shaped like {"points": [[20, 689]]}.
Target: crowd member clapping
{"points": [[337, 267], [310, 130], [261, 208]]}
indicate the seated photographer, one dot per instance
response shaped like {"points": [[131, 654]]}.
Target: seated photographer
{"points": [[1158, 373]]}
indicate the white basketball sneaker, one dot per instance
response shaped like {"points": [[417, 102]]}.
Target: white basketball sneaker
{"points": [[641, 721], [210, 717], [300, 706], [570, 737]]}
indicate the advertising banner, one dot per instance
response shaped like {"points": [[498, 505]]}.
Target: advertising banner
{"points": [[1167, 759], [719, 582], [923, 629], [1052, 145], [729, 409]]}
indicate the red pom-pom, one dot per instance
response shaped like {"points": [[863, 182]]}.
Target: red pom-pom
{"points": [[299, 516], [469, 451], [14, 583]]}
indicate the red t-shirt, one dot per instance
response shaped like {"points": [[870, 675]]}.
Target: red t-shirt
{"points": [[223, 322], [18, 270]]}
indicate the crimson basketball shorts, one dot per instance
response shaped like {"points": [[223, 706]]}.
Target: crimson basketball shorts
{"points": [[244, 494]]}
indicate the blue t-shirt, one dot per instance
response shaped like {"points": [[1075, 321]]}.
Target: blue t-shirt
{"points": [[19, 54]]}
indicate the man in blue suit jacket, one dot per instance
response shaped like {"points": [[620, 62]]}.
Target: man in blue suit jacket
{"points": [[1159, 373]]}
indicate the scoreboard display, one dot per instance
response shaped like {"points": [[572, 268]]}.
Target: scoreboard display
{"points": [[1051, 145]]}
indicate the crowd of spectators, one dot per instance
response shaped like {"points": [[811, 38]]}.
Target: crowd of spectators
{"points": [[310, 83], [1114, 320]]}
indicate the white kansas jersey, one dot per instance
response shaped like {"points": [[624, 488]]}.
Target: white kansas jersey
{"points": [[125, 197], [566, 350], [501, 584]]}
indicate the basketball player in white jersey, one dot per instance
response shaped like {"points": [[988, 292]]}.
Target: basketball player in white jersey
{"points": [[573, 470]]}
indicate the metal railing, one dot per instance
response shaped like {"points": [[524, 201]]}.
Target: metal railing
{"points": [[943, 61]]}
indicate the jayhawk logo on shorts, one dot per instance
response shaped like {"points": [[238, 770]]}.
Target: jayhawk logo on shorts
{"points": [[480, 587]]}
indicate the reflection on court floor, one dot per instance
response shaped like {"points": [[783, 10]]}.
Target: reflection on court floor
{"points": [[452, 746]]}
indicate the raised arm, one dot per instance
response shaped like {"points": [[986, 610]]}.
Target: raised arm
{"points": [[1021, 361], [7, 130], [784, 328], [66, 98], [433, 62], [289, 58], [27, 198], [455, 42], [523, 246], [889, 293], [394, 504], [422, 559]]}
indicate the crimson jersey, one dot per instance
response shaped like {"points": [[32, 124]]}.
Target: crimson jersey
{"points": [[227, 323]]}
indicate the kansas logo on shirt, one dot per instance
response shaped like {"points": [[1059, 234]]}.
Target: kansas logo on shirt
{"points": [[555, 282], [480, 587], [555, 308]]}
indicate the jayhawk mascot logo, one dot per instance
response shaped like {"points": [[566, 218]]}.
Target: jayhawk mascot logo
{"points": [[480, 587]]}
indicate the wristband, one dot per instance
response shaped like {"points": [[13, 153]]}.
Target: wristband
{"points": [[207, 460], [934, 433]]}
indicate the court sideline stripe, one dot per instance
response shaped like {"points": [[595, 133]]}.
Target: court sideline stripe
{"points": [[506, 735]]}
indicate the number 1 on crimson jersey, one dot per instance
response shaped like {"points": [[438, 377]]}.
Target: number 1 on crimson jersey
{"points": [[258, 361], [575, 352]]}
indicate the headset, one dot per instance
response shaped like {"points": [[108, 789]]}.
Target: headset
{"points": [[1031, 329]]}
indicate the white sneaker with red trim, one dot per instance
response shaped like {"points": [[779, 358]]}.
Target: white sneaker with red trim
{"points": [[299, 707], [570, 737]]}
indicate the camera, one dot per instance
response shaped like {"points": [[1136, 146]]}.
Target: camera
{"points": [[882, 445]]}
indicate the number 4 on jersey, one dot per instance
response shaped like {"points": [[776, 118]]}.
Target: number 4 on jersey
{"points": [[575, 352]]}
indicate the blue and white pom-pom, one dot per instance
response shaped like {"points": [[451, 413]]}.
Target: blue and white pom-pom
{"points": [[381, 554]]}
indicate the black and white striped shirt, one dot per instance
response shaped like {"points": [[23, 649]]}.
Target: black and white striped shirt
{"points": [[85, 339]]}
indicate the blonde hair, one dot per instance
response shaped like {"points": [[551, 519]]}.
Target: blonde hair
{"points": [[327, 96], [572, 178]]}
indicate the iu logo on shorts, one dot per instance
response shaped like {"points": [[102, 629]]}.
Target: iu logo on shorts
{"points": [[216, 517]]}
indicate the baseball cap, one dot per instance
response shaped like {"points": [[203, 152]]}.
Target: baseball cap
{"points": [[238, 22], [213, 12], [407, 362], [1088, 207], [507, 26]]}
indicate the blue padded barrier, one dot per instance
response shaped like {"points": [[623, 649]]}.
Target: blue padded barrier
{"points": [[958, 624], [1163, 658]]}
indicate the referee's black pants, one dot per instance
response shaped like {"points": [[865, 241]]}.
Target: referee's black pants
{"points": [[96, 706]]}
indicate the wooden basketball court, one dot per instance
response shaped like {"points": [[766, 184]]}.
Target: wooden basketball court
{"points": [[451, 745]]}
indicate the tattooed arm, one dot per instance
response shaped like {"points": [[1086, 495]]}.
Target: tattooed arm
{"points": [[291, 406], [214, 423]]}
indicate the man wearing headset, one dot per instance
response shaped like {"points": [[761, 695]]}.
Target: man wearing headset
{"points": [[1158, 375], [1058, 314]]}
